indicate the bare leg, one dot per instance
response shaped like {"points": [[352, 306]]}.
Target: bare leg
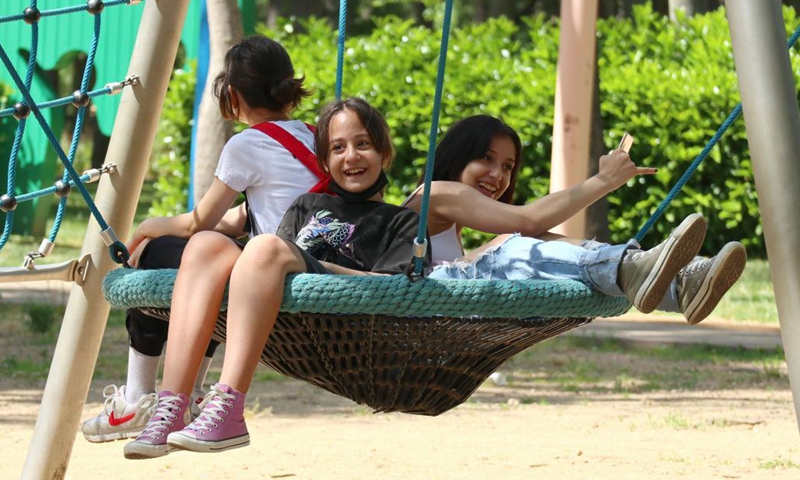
{"points": [[557, 237], [205, 268], [255, 298], [473, 254]]}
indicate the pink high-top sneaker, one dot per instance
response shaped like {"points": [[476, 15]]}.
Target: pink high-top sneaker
{"points": [[220, 425], [170, 415]]}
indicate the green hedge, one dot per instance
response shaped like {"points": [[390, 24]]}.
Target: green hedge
{"points": [[671, 84], [172, 148]]}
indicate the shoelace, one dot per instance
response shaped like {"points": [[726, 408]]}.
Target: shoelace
{"points": [[215, 404], [695, 266], [148, 401], [162, 417], [638, 254], [110, 393]]}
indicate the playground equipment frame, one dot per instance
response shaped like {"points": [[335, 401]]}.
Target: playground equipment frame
{"points": [[767, 87]]}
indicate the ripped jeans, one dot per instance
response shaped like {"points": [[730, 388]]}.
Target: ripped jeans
{"points": [[526, 258]]}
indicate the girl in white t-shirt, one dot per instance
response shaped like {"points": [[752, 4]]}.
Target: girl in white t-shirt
{"points": [[272, 163], [256, 86]]}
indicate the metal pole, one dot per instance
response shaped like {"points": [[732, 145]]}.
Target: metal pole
{"points": [[117, 195], [769, 102], [572, 124]]}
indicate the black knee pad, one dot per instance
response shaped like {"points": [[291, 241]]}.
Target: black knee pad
{"points": [[146, 334], [163, 252]]}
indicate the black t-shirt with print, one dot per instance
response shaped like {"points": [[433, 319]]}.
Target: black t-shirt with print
{"points": [[367, 236]]}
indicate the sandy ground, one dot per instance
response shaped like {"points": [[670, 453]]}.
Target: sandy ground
{"points": [[301, 432], [735, 421]]}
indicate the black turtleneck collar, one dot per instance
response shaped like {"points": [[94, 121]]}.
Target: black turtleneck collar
{"points": [[360, 197]]}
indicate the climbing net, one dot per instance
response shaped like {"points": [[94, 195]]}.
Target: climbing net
{"points": [[80, 98]]}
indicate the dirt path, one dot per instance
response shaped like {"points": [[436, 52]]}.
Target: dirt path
{"points": [[309, 434]]}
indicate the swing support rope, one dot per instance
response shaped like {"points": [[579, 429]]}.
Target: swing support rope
{"points": [[340, 47], [699, 159], [421, 242], [80, 99]]}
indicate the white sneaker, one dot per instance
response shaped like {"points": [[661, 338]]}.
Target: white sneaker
{"points": [[197, 398], [119, 418]]}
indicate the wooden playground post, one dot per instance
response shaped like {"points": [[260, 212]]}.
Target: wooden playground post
{"points": [[572, 122], [117, 195], [769, 102]]}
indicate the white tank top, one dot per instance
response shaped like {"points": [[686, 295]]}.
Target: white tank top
{"points": [[446, 245]]}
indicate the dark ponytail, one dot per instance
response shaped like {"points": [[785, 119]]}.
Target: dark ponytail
{"points": [[260, 71]]}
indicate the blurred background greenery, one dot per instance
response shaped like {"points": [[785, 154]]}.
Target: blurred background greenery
{"points": [[664, 74]]}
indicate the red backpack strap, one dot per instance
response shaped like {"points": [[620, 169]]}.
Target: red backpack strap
{"points": [[299, 150]]}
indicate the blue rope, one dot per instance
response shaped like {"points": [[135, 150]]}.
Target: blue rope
{"points": [[76, 133], [50, 190], [60, 102], [12, 162], [437, 101], [117, 249], [61, 11], [340, 47], [52, 138], [699, 159]]}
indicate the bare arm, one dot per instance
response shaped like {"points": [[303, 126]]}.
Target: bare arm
{"points": [[454, 202], [233, 222], [206, 216]]}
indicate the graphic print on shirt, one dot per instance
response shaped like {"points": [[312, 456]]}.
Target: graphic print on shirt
{"points": [[324, 236]]}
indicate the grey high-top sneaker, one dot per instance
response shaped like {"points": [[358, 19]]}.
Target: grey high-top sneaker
{"points": [[705, 281], [645, 275]]}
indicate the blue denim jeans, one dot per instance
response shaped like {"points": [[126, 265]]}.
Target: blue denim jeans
{"points": [[525, 258]]}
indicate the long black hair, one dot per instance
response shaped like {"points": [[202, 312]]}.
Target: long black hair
{"points": [[470, 139]]}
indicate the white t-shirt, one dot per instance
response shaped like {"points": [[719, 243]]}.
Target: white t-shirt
{"points": [[272, 178]]}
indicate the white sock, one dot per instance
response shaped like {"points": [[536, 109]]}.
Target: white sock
{"points": [[201, 375], [142, 373]]}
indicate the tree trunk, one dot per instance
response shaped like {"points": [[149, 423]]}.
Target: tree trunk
{"points": [[597, 213], [497, 8], [617, 8], [546, 7], [99, 144], [690, 7], [224, 31], [300, 8]]}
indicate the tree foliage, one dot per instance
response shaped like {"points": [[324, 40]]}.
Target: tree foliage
{"points": [[172, 147], [671, 84]]}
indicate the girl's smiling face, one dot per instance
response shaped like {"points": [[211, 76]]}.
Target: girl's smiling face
{"points": [[491, 174], [353, 162]]}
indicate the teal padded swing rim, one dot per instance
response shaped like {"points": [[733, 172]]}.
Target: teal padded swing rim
{"points": [[393, 295]]}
